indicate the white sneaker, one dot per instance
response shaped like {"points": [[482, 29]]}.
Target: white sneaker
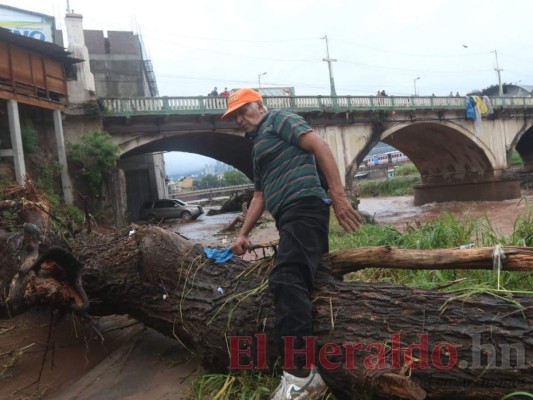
{"points": [[293, 388]]}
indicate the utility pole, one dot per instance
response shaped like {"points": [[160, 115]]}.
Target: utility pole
{"points": [[329, 61], [498, 70]]}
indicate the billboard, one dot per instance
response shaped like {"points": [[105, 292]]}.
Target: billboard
{"points": [[27, 23], [34, 30]]}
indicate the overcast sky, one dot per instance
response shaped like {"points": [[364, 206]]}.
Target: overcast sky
{"points": [[380, 45]]}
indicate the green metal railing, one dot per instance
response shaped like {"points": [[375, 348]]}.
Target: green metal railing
{"points": [[300, 104]]}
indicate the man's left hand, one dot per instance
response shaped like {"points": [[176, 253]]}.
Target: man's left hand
{"points": [[348, 218]]}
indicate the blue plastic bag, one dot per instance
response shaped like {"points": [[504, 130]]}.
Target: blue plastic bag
{"points": [[219, 255]]}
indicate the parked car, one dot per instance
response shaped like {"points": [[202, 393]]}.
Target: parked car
{"points": [[156, 210]]}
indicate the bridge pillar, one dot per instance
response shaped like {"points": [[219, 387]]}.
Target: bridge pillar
{"points": [[496, 189], [16, 141], [62, 156]]}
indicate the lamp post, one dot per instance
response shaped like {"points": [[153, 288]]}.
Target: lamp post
{"points": [[329, 61], [414, 83], [259, 78]]}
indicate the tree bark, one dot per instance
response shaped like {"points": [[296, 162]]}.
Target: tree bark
{"points": [[392, 341]]}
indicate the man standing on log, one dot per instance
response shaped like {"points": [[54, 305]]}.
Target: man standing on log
{"points": [[287, 183]]}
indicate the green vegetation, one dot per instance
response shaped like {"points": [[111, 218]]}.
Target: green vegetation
{"points": [[234, 178], [515, 394], [406, 176], [230, 178], [406, 169], [245, 386], [94, 156], [397, 186], [446, 231], [516, 160], [208, 181], [30, 139], [47, 173]]}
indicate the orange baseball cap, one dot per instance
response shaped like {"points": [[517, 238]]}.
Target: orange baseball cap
{"points": [[240, 98]]}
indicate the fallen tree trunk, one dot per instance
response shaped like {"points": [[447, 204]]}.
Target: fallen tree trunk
{"points": [[390, 340]]}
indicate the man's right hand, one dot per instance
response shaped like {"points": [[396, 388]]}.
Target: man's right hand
{"points": [[240, 245]]}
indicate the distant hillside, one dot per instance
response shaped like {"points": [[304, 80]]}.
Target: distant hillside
{"points": [[381, 148]]}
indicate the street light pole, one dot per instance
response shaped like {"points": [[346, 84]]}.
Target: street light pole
{"points": [[498, 70], [329, 61], [259, 78], [414, 83]]}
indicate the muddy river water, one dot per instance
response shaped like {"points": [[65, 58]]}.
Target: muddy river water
{"points": [[395, 211]]}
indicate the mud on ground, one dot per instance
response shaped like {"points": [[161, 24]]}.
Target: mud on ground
{"points": [[132, 362]]}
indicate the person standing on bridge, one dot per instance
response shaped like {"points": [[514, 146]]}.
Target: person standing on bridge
{"points": [[225, 93], [287, 182]]}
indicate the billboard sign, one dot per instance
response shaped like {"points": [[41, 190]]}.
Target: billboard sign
{"points": [[34, 30], [27, 23]]}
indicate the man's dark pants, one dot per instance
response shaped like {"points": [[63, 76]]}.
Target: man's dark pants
{"points": [[303, 228]]}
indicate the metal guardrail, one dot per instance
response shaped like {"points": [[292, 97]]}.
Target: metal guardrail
{"points": [[217, 105], [210, 193]]}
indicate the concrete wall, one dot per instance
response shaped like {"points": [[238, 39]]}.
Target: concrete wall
{"points": [[117, 64]]}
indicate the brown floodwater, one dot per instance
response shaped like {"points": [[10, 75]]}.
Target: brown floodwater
{"points": [[400, 211], [397, 211]]}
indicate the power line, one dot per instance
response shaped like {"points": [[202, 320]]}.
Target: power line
{"points": [[411, 70], [434, 55]]}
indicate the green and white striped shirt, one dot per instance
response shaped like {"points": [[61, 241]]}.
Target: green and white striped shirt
{"points": [[283, 171]]}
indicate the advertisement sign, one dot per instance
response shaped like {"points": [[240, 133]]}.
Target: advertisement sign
{"points": [[34, 30]]}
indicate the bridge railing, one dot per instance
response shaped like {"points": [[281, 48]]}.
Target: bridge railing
{"points": [[512, 101], [217, 105]]}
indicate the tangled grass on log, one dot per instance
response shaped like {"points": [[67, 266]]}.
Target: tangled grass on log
{"points": [[260, 268]]}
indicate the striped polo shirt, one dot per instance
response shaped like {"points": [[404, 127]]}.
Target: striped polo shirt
{"points": [[283, 171]]}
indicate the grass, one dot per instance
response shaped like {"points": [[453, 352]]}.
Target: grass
{"points": [[246, 386], [397, 186], [406, 169], [446, 231], [516, 160], [516, 394]]}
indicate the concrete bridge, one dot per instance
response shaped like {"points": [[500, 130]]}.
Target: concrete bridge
{"points": [[458, 159]]}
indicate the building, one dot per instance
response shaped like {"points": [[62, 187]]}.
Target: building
{"points": [[120, 70], [33, 90], [509, 90]]}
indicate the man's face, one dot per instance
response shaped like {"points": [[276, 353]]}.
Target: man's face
{"points": [[248, 117]]}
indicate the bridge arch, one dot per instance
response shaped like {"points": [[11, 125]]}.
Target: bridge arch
{"points": [[523, 143], [442, 151], [228, 146]]}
